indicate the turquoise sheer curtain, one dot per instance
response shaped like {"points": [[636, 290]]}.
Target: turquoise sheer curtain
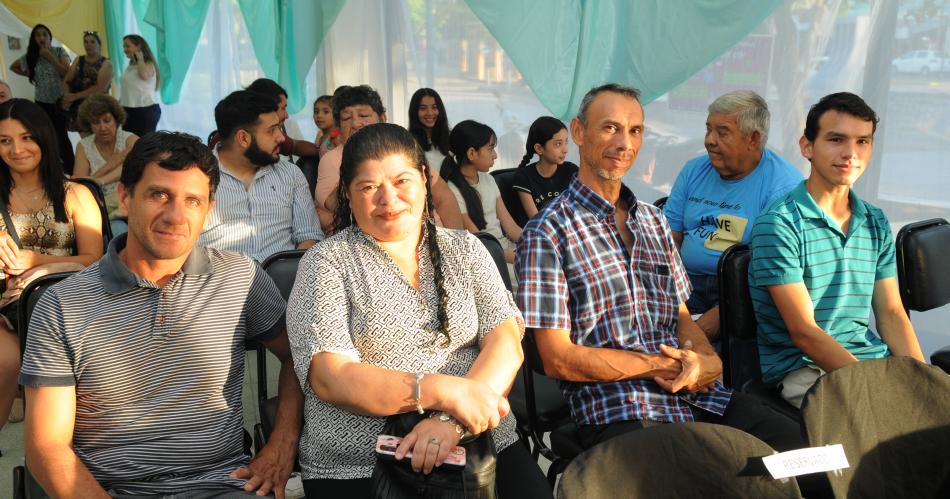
{"points": [[177, 25], [261, 21], [114, 13], [302, 27], [564, 48]]}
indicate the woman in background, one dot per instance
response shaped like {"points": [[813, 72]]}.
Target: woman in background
{"points": [[138, 87], [87, 75], [429, 124], [45, 66]]}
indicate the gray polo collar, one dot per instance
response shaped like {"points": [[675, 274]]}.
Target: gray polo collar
{"points": [[117, 277]]}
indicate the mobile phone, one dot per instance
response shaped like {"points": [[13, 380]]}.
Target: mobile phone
{"points": [[386, 446]]}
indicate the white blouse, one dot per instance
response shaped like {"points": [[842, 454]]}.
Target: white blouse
{"points": [[134, 91]]}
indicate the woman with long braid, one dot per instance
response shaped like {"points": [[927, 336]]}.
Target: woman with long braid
{"points": [[392, 314]]}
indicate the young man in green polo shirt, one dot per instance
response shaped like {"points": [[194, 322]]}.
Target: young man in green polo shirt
{"points": [[822, 259]]}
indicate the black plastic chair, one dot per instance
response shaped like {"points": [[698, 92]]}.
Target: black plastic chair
{"points": [[282, 268], [308, 165], [100, 196], [505, 180], [498, 255], [24, 486], [548, 412], [923, 270], [660, 203], [738, 330]]}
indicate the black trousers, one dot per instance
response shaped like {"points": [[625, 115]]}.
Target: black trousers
{"points": [[58, 117], [142, 120], [517, 476]]}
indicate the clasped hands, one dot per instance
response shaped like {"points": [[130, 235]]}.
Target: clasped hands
{"points": [[698, 371], [476, 406]]}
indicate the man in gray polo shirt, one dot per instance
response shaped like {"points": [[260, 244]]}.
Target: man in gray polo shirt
{"points": [[133, 367], [264, 204]]}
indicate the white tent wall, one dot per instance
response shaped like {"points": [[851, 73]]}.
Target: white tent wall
{"points": [[804, 50]]}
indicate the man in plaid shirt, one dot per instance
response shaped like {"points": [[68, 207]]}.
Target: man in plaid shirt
{"points": [[603, 287]]}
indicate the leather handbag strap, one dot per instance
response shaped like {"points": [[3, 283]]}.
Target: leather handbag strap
{"points": [[11, 229]]}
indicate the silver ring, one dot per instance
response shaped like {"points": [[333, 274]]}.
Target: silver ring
{"points": [[434, 441]]}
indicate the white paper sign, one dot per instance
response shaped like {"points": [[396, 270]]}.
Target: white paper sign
{"points": [[807, 460]]}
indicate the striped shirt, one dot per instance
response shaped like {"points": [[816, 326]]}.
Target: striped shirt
{"points": [[575, 274], [795, 241], [274, 214], [157, 370]]}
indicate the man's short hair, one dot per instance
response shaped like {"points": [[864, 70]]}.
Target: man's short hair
{"points": [[98, 104], [843, 102], [360, 95], [609, 87], [173, 151], [267, 86], [241, 110], [751, 110]]}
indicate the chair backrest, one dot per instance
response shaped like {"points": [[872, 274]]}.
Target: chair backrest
{"points": [[675, 460], [498, 255], [282, 268], [100, 196], [660, 203], [892, 416], [740, 353], [923, 264], [308, 165], [29, 297], [505, 179]]}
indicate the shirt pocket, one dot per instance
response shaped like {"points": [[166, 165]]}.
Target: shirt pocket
{"points": [[658, 290]]}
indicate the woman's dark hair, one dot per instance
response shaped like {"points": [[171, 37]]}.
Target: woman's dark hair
{"points": [[33, 51], [467, 134], [175, 151], [541, 131], [146, 55], [440, 131], [359, 95], [376, 142], [38, 124]]}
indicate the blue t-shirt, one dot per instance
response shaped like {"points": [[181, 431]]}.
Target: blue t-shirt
{"points": [[713, 214]]}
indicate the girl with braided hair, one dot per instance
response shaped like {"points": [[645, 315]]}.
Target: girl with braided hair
{"points": [[393, 314], [540, 182]]}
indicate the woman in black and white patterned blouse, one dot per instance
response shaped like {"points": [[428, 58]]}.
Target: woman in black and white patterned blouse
{"points": [[391, 298]]}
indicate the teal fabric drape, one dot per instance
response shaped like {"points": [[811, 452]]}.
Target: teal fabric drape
{"points": [[177, 25], [286, 36], [261, 21], [303, 25], [564, 48], [114, 13]]}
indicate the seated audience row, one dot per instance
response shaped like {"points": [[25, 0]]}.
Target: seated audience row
{"points": [[393, 313]]}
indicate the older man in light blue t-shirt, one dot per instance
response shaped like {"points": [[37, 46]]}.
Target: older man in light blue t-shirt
{"points": [[717, 196]]}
